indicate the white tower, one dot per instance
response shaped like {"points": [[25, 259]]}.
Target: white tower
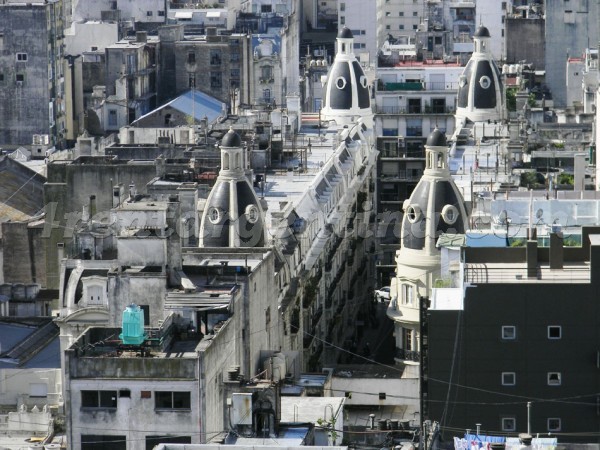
{"points": [[435, 207], [480, 89], [233, 216], [346, 92]]}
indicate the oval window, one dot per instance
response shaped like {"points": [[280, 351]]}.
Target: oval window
{"points": [[363, 81], [340, 83], [214, 215], [252, 213], [485, 82], [413, 213], [449, 214]]}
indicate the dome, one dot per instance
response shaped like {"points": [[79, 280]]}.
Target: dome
{"points": [[482, 32], [231, 139], [436, 139], [345, 33]]}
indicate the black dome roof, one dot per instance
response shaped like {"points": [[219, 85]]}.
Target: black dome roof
{"points": [[482, 32], [231, 139], [345, 33], [436, 139]]}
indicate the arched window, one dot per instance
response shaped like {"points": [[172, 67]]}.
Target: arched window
{"points": [[225, 161]]}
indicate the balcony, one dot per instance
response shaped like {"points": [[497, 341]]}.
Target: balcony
{"points": [[417, 86], [396, 110], [408, 355]]}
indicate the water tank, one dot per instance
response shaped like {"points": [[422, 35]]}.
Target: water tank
{"points": [[133, 326]]}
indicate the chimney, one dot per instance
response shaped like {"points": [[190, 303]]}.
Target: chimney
{"points": [[141, 36], [132, 192]]}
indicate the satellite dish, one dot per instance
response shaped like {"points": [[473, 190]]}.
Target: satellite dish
{"points": [[539, 213]]}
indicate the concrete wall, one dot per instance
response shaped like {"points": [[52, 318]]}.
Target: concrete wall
{"points": [[203, 70], [15, 386], [69, 188], [471, 362], [81, 37], [143, 289], [24, 109], [135, 417], [530, 31], [129, 10], [568, 34], [24, 253]]}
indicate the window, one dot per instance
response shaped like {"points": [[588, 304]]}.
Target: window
{"points": [[382, 396], [508, 378], [509, 424], [22, 57], [388, 14], [172, 400], [265, 8], [401, 13], [98, 399], [215, 80], [124, 393], [191, 58], [20, 78], [102, 442], [401, 27], [387, 27], [407, 339], [234, 73], [215, 57], [267, 95], [1, 77], [342, 20], [509, 332], [415, 27], [146, 309], [266, 72], [554, 379], [554, 332], [112, 117], [149, 13], [407, 294], [415, 13], [192, 81], [113, 5], [342, 7], [554, 424], [161, 13]]}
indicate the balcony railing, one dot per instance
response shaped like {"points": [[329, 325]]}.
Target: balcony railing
{"points": [[404, 110], [418, 86], [408, 355]]}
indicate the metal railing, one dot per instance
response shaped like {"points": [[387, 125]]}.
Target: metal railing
{"points": [[408, 355], [482, 274], [403, 110]]}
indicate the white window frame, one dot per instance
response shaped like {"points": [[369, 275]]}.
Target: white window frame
{"points": [[21, 57], [506, 332], [559, 332], [505, 382], [556, 428], [504, 424], [554, 378]]}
